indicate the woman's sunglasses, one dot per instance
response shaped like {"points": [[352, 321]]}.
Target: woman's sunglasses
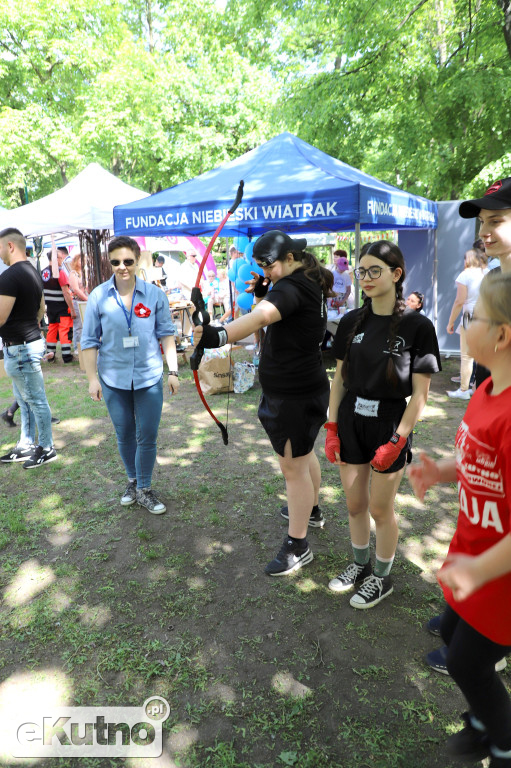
{"points": [[118, 262]]}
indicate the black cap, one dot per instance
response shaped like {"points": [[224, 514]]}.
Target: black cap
{"points": [[497, 197], [274, 244], [160, 258]]}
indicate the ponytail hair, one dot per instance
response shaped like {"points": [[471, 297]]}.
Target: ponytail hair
{"points": [[391, 255], [315, 271], [475, 258]]}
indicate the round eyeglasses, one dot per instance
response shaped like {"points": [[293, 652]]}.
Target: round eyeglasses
{"points": [[373, 272]]}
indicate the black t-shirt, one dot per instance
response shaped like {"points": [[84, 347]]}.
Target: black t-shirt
{"points": [[291, 363], [23, 282], [415, 351]]}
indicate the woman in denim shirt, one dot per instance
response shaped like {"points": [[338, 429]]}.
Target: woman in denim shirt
{"points": [[125, 321]]}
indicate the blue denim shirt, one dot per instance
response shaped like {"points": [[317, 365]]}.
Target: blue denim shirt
{"points": [[105, 324]]}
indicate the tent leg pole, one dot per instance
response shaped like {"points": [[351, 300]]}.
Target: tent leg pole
{"points": [[435, 282], [357, 260]]}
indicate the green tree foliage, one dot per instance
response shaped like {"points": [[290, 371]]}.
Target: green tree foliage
{"points": [[151, 93], [415, 92]]}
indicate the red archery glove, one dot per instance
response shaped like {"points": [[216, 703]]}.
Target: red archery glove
{"points": [[332, 442], [386, 454]]}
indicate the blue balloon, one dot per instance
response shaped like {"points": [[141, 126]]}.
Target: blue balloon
{"points": [[245, 272], [245, 300], [248, 251], [240, 284], [241, 243], [256, 268], [231, 274], [235, 266]]}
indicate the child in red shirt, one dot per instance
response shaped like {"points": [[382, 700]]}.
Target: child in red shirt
{"points": [[476, 576]]}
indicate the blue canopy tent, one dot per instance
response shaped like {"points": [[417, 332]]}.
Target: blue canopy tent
{"points": [[293, 186], [289, 185]]}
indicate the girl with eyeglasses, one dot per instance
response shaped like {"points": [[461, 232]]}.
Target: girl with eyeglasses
{"points": [[125, 322], [385, 353], [476, 576]]}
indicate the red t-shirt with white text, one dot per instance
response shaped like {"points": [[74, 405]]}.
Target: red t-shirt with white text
{"points": [[483, 468]]}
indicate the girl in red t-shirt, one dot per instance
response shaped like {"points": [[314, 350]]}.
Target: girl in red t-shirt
{"points": [[476, 576]]}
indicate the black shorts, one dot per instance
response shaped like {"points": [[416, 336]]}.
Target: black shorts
{"points": [[364, 425], [296, 420]]}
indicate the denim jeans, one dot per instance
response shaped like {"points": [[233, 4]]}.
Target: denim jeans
{"points": [[136, 415], [22, 363], [77, 326]]}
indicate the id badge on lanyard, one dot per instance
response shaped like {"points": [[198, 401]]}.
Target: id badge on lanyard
{"points": [[128, 341]]}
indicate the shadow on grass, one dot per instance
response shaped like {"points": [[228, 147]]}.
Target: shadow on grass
{"points": [[105, 605]]}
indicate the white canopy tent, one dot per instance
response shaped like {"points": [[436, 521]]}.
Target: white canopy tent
{"points": [[86, 202]]}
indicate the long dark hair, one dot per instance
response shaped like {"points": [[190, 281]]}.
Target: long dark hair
{"points": [[314, 271], [391, 255]]}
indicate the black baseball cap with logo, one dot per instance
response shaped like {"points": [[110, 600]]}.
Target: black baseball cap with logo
{"points": [[274, 244], [497, 197]]}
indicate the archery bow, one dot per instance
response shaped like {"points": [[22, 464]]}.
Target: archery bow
{"points": [[201, 316]]}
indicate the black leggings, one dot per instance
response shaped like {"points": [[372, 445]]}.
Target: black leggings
{"points": [[471, 660]]}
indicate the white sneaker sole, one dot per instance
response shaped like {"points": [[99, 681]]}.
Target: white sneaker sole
{"points": [[43, 463], [336, 586], [153, 511], [128, 503]]}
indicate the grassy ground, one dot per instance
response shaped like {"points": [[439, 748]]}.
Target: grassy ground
{"points": [[105, 605]]}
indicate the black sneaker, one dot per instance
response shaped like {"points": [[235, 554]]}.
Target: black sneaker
{"points": [[18, 454], [433, 625], [352, 575], [373, 591], [469, 742], [40, 456], [55, 420], [148, 499], [437, 660], [316, 519], [289, 559], [130, 494], [8, 418]]}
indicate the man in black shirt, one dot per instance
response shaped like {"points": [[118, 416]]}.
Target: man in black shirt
{"points": [[21, 308]]}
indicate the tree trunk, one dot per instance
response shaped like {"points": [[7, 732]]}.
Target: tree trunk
{"points": [[440, 29], [149, 17], [506, 9]]}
